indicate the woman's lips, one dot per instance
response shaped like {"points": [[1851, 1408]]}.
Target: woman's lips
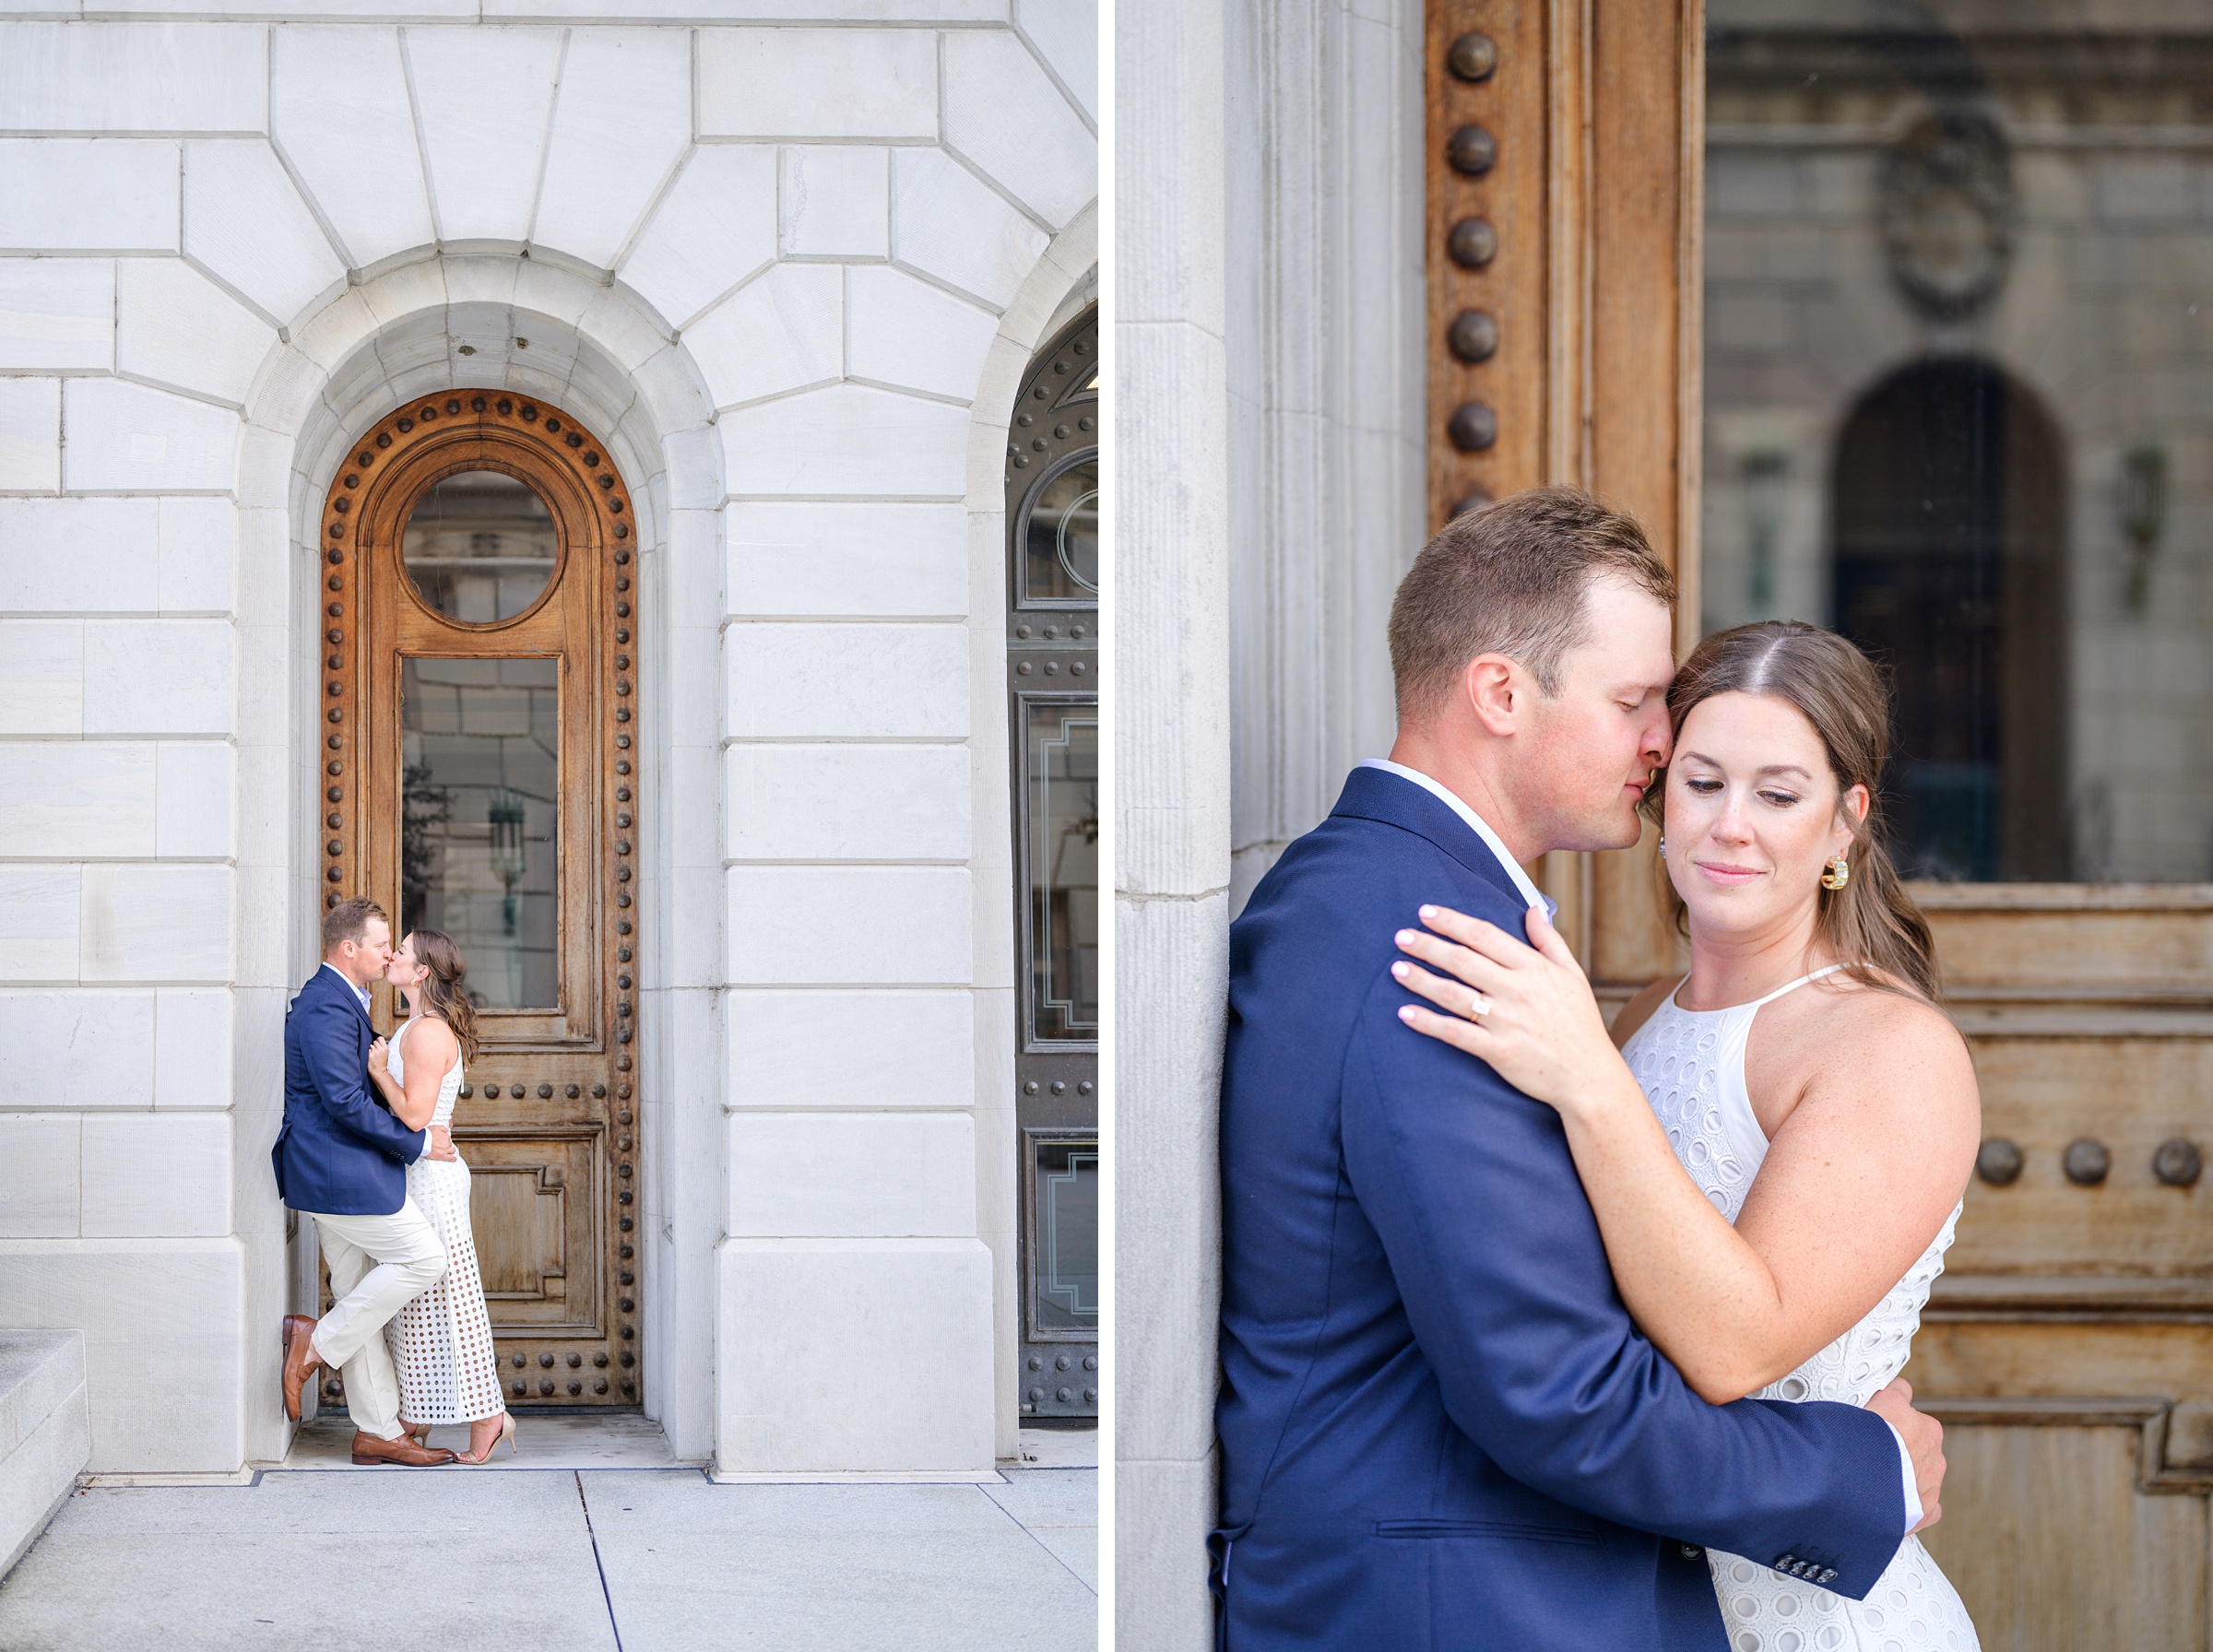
{"points": [[1722, 872]]}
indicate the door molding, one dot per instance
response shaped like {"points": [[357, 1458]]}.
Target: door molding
{"points": [[1588, 287]]}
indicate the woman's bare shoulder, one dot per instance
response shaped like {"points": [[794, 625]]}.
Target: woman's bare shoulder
{"points": [[434, 1039], [1639, 1009], [1854, 1033]]}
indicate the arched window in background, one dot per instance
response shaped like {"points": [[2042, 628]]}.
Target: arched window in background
{"points": [[1052, 651], [1947, 564]]}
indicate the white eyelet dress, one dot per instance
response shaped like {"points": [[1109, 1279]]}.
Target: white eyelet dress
{"points": [[1691, 1064], [441, 1342]]}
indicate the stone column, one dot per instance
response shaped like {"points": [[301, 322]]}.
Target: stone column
{"points": [[1171, 662], [1326, 396]]}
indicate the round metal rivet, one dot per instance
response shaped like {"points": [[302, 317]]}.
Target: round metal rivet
{"points": [[1022, 669], [2087, 1162], [2178, 1163], [1998, 1161], [519, 1359], [1473, 427], [407, 424], [352, 481], [615, 505], [1031, 1088], [575, 1360], [1036, 1363], [1471, 502], [505, 406], [467, 1090], [1091, 1361], [335, 716], [529, 413], [622, 556], [1062, 1363], [573, 1090], [1064, 1394], [599, 1091], [334, 875], [1052, 667], [365, 459], [492, 1092], [546, 1386], [1059, 1087], [475, 404], [544, 1090], [575, 439], [1078, 669], [621, 530], [1472, 151], [1473, 336], [590, 460], [1084, 1087], [600, 1387], [576, 1387], [1472, 57], [552, 425], [1036, 1396], [545, 1359], [600, 1359], [382, 439], [454, 404]]}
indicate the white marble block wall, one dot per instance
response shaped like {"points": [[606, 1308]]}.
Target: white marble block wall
{"points": [[791, 266]]}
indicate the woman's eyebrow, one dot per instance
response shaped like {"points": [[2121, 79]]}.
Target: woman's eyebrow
{"points": [[1699, 757]]}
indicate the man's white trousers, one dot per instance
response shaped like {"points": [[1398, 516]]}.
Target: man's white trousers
{"points": [[378, 1265]]}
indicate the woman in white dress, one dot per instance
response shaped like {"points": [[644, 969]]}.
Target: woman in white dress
{"points": [[1777, 1151], [441, 1342]]}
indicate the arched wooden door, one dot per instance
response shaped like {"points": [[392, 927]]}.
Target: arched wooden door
{"points": [[479, 778]]}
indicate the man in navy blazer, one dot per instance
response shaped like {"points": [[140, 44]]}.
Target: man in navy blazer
{"points": [[1439, 1428], [343, 1158]]}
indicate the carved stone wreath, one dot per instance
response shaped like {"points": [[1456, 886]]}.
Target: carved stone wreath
{"points": [[1947, 212]]}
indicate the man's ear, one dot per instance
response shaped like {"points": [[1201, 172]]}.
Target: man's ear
{"points": [[1493, 689]]}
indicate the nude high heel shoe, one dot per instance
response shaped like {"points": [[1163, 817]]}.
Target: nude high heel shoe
{"points": [[506, 1432]]}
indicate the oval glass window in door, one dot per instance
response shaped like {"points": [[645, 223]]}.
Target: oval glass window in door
{"points": [[480, 547]]}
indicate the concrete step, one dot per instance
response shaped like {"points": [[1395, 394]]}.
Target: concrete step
{"points": [[45, 1432]]}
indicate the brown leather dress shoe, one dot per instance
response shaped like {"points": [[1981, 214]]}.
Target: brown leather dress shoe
{"points": [[300, 1361], [368, 1450]]}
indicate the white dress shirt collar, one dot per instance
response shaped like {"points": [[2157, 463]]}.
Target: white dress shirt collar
{"points": [[359, 992], [1530, 894]]}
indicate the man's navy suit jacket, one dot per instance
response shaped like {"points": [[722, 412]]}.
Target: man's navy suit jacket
{"points": [[340, 1150], [1439, 1428]]}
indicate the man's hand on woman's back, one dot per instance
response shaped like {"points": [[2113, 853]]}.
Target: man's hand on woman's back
{"points": [[1924, 1436]]}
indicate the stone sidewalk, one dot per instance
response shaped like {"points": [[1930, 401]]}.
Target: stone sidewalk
{"points": [[562, 1559]]}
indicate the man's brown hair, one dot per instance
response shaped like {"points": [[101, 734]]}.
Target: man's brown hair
{"points": [[348, 920], [1510, 578]]}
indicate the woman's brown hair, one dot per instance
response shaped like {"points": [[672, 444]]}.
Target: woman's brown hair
{"points": [[1871, 925], [441, 989]]}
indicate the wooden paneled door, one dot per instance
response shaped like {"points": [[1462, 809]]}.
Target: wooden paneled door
{"points": [[1899, 321], [480, 778]]}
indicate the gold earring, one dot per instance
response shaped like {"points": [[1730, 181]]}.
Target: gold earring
{"points": [[1837, 874]]}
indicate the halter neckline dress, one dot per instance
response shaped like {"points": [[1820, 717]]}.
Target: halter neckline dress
{"points": [[441, 1342], [1691, 1066]]}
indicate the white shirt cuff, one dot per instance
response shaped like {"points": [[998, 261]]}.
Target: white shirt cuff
{"points": [[1905, 1463]]}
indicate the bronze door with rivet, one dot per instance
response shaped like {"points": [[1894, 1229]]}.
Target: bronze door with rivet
{"points": [[480, 778], [1903, 325], [1052, 660]]}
